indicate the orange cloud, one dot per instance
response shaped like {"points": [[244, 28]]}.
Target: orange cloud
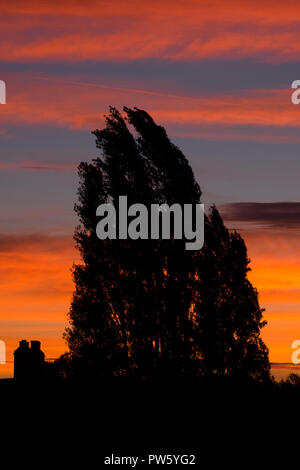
{"points": [[246, 10], [82, 105], [116, 30]]}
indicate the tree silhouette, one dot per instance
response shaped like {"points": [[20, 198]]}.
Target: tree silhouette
{"points": [[228, 314], [150, 308]]}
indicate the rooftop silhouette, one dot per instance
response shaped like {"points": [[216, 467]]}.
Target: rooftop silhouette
{"points": [[29, 361]]}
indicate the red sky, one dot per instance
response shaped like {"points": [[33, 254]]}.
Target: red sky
{"points": [[117, 30], [216, 74]]}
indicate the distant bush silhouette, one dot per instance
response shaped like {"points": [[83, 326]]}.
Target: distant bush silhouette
{"points": [[292, 380], [149, 308]]}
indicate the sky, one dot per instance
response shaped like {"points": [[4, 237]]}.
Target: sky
{"points": [[216, 74]]}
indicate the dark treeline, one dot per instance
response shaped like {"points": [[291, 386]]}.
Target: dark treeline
{"points": [[150, 308]]}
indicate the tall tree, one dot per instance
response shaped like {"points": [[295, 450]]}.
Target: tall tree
{"points": [[139, 288], [149, 307]]}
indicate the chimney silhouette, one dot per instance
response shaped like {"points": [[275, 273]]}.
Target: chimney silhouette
{"points": [[29, 362]]}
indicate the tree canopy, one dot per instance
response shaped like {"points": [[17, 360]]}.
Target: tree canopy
{"points": [[150, 308]]}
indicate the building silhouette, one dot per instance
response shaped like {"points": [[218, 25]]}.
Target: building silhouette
{"points": [[29, 361]]}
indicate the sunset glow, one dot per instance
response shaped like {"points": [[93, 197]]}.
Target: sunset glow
{"points": [[217, 76]]}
